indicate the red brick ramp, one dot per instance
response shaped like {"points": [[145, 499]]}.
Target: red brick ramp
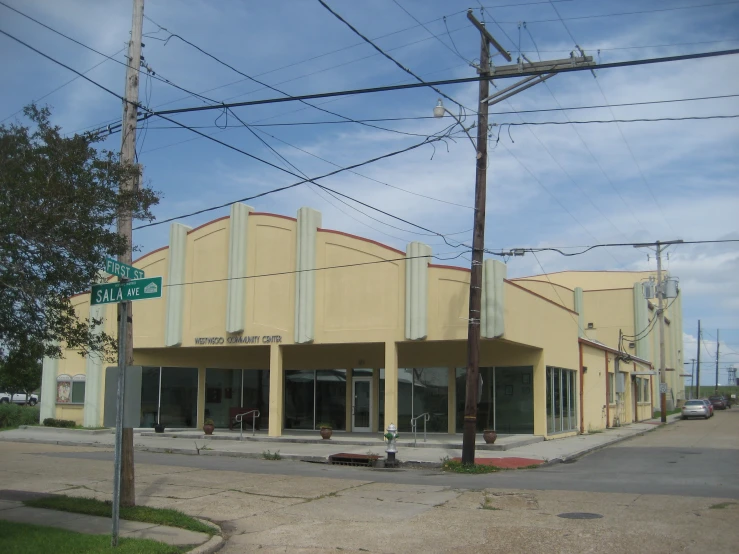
{"points": [[506, 463]]}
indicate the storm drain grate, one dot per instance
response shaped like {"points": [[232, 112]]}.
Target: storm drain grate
{"points": [[579, 515], [363, 460]]}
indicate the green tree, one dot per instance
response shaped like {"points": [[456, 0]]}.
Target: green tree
{"points": [[59, 201], [20, 370]]}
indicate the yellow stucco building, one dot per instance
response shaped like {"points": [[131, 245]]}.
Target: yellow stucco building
{"points": [[310, 325]]}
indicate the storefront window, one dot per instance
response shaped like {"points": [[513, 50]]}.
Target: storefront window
{"points": [[256, 395], [331, 398], [70, 390], [299, 399], [506, 399], [149, 396], [561, 415], [179, 397], [423, 390], [222, 393], [315, 397]]}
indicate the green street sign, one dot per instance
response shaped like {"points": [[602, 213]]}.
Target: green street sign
{"points": [[139, 289], [114, 267]]}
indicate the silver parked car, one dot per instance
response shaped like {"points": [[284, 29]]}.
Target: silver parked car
{"points": [[695, 408]]}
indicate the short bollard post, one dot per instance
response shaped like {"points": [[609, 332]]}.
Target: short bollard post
{"points": [[391, 436]]}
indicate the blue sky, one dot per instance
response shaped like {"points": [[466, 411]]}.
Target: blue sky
{"points": [[564, 185]]}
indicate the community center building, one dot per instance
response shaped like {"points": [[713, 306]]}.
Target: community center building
{"points": [[310, 325]]}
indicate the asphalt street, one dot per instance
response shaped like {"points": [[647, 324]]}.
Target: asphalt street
{"points": [[688, 458]]}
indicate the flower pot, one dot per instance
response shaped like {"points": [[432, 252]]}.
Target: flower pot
{"points": [[326, 432], [208, 428], [158, 428], [489, 435]]}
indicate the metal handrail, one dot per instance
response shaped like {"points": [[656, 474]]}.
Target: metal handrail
{"points": [[240, 420], [414, 425]]}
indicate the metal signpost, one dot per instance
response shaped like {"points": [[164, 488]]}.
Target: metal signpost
{"points": [[122, 292]]}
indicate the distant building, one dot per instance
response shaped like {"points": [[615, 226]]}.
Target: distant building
{"points": [[310, 325]]}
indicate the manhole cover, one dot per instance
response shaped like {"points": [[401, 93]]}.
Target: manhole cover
{"points": [[579, 515]]}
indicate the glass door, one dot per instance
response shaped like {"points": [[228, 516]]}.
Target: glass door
{"points": [[362, 404]]}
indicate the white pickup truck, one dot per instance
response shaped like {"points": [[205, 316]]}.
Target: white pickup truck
{"points": [[19, 398]]}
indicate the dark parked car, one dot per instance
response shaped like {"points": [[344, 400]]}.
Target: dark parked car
{"points": [[718, 402]]}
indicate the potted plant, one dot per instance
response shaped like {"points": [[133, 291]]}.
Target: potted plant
{"points": [[489, 435], [159, 427], [326, 430], [208, 426]]}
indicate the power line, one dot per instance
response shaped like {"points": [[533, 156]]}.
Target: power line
{"points": [[406, 86], [618, 126], [388, 56], [640, 12], [423, 143]]}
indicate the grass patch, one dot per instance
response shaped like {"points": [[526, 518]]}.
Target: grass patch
{"points": [[722, 506], [459, 467], [267, 455], [23, 538], [90, 506], [488, 506], [532, 466], [658, 414]]}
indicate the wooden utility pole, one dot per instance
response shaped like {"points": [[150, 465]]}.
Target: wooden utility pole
{"points": [[698, 365], [478, 245], [661, 316], [128, 156], [717, 348]]}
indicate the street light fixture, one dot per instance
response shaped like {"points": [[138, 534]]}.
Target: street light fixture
{"points": [[440, 110]]}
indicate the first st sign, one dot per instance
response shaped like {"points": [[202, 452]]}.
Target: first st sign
{"points": [[139, 289], [114, 267]]}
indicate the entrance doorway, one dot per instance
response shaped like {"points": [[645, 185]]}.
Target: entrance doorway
{"points": [[362, 404]]}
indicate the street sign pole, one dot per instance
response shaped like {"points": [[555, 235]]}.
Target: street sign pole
{"points": [[119, 418]]}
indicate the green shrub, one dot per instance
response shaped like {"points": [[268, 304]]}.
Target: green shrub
{"points": [[53, 422], [13, 415]]}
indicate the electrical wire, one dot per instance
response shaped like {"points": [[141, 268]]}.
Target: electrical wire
{"points": [[452, 50], [389, 57], [641, 12]]}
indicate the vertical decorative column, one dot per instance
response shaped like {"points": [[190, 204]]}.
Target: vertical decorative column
{"points": [[237, 245], [492, 311], [175, 276], [391, 384], [540, 395], [48, 388], [416, 290], [641, 320], [92, 415], [309, 220], [276, 390], [579, 308]]}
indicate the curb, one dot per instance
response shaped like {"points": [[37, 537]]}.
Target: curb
{"points": [[214, 544], [572, 457]]}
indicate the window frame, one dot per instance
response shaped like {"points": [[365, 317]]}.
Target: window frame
{"points": [[66, 397]]}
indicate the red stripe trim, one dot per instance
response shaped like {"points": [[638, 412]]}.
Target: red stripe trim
{"points": [[149, 254], [363, 239], [209, 223], [274, 215], [451, 267], [540, 296]]}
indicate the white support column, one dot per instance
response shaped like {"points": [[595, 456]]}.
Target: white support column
{"points": [[391, 383], [416, 290], [237, 245], [175, 276], [493, 299], [309, 220], [92, 415], [48, 388], [276, 390]]}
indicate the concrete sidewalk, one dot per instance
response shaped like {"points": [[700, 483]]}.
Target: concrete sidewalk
{"points": [[432, 453], [15, 511]]}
